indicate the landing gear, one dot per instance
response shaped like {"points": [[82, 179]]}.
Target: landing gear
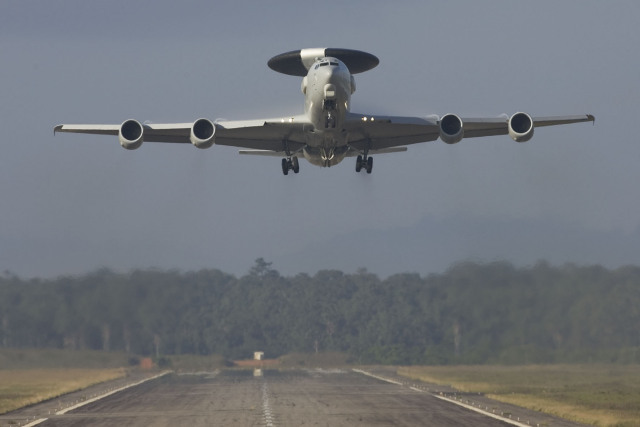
{"points": [[366, 161], [290, 163], [329, 121]]}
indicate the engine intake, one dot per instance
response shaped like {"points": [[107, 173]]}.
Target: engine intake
{"points": [[451, 129], [202, 133], [130, 134], [521, 127]]}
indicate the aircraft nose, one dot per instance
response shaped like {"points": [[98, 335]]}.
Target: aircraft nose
{"points": [[333, 76]]}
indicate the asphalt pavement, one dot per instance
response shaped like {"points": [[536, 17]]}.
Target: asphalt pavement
{"points": [[302, 397]]}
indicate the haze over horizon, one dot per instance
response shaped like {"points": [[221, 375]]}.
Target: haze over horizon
{"points": [[74, 203]]}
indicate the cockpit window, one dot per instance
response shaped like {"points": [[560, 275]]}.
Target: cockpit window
{"points": [[326, 63]]}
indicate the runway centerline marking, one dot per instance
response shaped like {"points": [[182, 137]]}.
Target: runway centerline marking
{"points": [[266, 406]]}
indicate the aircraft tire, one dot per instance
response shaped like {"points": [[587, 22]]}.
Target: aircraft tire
{"points": [[285, 167]]}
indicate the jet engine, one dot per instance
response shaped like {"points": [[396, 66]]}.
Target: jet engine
{"points": [[202, 133], [521, 127], [130, 134], [451, 129]]}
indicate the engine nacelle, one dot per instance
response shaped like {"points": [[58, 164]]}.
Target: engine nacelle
{"points": [[451, 129], [202, 133], [521, 127], [130, 134]]}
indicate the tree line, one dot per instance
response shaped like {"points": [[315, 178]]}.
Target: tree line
{"points": [[471, 313]]}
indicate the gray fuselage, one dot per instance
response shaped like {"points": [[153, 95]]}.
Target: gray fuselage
{"points": [[327, 88]]}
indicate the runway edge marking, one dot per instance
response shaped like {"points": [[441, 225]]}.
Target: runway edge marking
{"points": [[464, 405], [102, 396], [369, 374], [488, 414]]}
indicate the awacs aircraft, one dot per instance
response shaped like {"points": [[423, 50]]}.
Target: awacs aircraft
{"points": [[328, 131]]}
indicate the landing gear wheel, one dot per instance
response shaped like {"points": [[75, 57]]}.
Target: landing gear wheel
{"points": [[285, 166], [369, 164], [295, 165], [358, 163]]}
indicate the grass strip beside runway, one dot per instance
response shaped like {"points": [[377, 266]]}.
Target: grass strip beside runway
{"points": [[604, 395], [22, 387]]}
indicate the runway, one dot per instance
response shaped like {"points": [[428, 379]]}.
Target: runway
{"points": [[278, 398]]}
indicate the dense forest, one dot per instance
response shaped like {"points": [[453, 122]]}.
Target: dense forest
{"points": [[471, 313]]}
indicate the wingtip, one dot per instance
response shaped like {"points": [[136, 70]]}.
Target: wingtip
{"points": [[591, 118], [57, 129]]}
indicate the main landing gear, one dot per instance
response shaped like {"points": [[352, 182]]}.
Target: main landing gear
{"points": [[366, 162], [290, 163]]}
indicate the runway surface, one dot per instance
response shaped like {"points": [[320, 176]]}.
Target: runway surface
{"points": [[278, 398]]}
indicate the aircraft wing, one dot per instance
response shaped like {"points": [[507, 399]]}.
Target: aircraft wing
{"points": [[264, 134], [477, 127], [385, 132], [374, 134], [261, 134]]}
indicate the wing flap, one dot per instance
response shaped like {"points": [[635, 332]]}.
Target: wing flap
{"points": [[271, 134], [478, 127], [267, 153], [386, 132], [356, 152]]}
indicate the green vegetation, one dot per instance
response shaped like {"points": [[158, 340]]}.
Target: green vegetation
{"points": [[604, 395], [471, 314], [51, 358]]}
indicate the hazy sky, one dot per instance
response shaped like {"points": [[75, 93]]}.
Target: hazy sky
{"points": [[73, 203]]}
